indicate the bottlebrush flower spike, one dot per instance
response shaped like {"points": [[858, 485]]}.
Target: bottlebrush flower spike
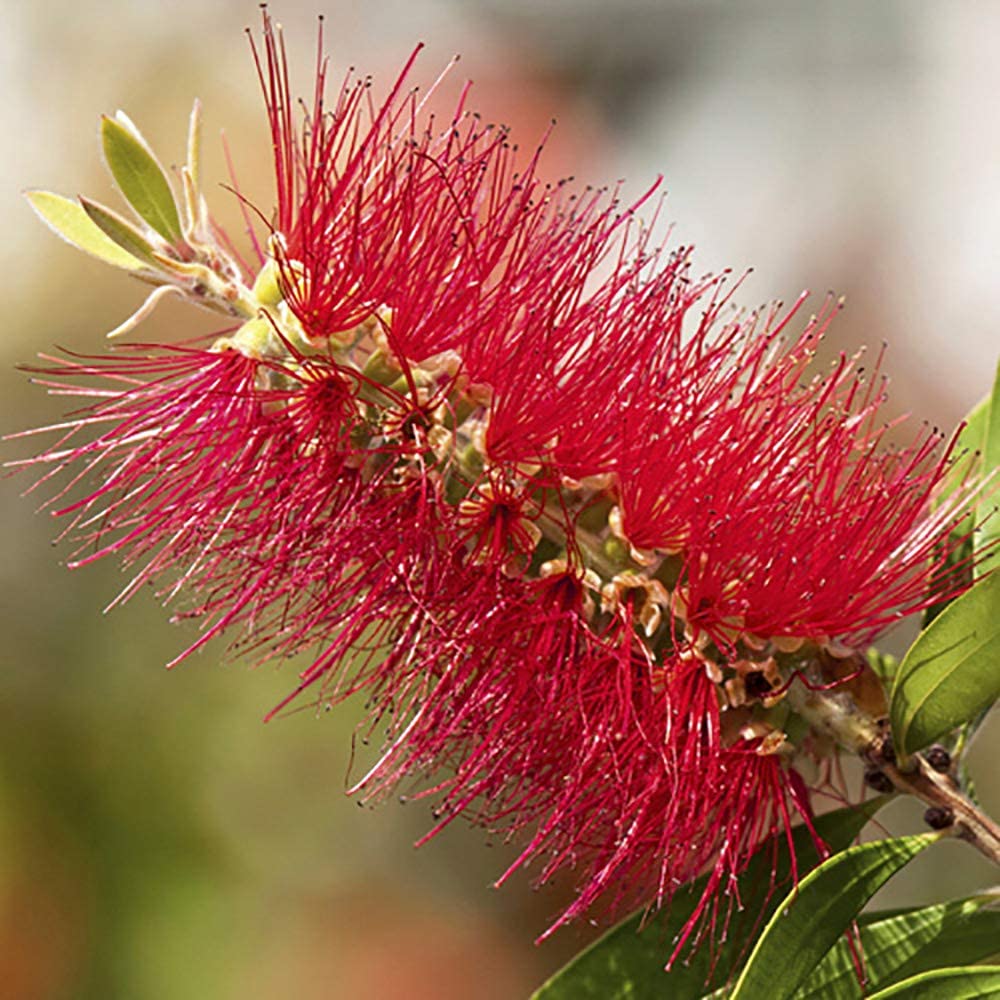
{"points": [[501, 464]]}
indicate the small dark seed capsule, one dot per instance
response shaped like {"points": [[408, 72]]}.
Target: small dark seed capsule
{"points": [[881, 782], [939, 758], [757, 685], [939, 817]]}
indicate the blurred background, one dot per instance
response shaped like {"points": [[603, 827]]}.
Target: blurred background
{"points": [[156, 840]]}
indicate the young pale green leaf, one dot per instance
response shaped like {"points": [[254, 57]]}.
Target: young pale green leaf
{"points": [[628, 961], [191, 177], [813, 916], [906, 943], [121, 232], [141, 178], [194, 145], [952, 671], [68, 219], [884, 665], [988, 510], [974, 982]]}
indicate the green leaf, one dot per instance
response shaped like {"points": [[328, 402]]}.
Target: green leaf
{"points": [[194, 146], [966, 470], [191, 177], [814, 915], [140, 177], [955, 573], [977, 982], [884, 665], [628, 961], [966, 938], [988, 511], [121, 232], [68, 219], [951, 672], [968, 450], [903, 943]]}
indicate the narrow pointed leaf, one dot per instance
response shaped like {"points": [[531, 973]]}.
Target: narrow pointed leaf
{"points": [[973, 938], [67, 219], [975, 982], [141, 178], [194, 145], [191, 177], [988, 511], [808, 923], [628, 962], [121, 232], [952, 672], [902, 944]]}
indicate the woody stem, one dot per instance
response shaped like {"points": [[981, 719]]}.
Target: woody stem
{"points": [[962, 818], [835, 714]]}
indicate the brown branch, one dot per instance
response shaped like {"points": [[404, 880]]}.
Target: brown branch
{"points": [[835, 713], [949, 809]]}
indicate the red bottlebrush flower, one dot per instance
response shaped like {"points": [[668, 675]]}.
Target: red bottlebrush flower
{"points": [[158, 413], [473, 448], [380, 210]]}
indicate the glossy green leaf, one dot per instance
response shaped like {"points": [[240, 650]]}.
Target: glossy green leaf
{"points": [[974, 937], [120, 231], [68, 219], [968, 449], [628, 961], [951, 672], [955, 572], [140, 177], [808, 923], [988, 510], [900, 944], [966, 470], [976, 982]]}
